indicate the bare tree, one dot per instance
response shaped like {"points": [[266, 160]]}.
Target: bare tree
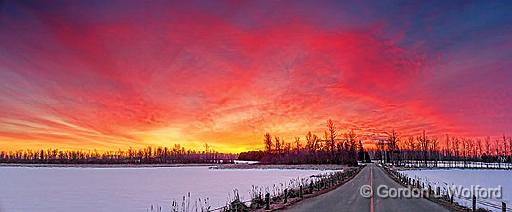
{"points": [[423, 141], [447, 150], [286, 147], [350, 144], [497, 147], [434, 149], [504, 145], [277, 142], [381, 150], [411, 148], [332, 135], [488, 145], [392, 141], [309, 142], [267, 139], [316, 143], [510, 147], [479, 147], [455, 145], [298, 145]]}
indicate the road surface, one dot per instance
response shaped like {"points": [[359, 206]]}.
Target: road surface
{"points": [[348, 198]]}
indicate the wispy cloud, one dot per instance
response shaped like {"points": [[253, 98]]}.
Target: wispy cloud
{"points": [[110, 75]]}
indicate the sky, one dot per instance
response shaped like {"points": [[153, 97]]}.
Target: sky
{"points": [[111, 75]]}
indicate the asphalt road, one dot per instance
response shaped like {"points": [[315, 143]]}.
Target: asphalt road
{"points": [[348, 198]]}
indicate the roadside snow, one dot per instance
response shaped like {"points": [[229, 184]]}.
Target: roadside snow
{"points": [[467, 177]]}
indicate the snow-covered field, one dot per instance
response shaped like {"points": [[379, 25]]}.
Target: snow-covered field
{"points": [[128, 189], [466, 177]]}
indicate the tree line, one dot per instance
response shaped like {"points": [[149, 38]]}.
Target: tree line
{"points": [[148, 155], [429, 148], [333, 148]]}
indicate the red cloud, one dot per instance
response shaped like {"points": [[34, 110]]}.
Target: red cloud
{"points": [[210, 76]]}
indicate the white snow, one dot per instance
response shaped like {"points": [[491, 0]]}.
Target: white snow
{"points": [[466, 177], [128, 189]]}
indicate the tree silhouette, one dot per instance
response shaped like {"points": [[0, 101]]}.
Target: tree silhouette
{"points": [[268, 143], [332, 135], [148, 155], [278, 144]]}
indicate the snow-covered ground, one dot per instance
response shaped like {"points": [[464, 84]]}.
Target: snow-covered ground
{"points": [[245, 162], [467, 177], [128, 189]]}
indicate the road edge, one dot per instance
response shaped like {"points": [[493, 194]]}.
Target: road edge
{"points": [[293, 202]]}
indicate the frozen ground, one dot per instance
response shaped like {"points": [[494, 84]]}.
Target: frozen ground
{"points": [[127, 189], [467, 177]]}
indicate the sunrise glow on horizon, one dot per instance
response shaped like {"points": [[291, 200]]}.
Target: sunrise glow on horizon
{"points": [[111, 75]]}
